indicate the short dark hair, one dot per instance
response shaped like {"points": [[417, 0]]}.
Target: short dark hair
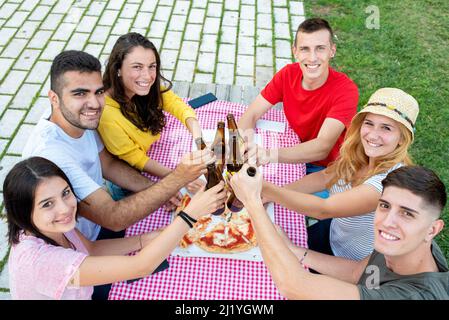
{"points": [[71, 60], [19, 189], [420, 181], [314, 24]]}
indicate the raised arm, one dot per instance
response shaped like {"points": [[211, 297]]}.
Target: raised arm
{"points": [[289, 276], [100, 208]]}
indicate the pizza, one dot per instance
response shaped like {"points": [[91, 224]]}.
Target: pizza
{"points": [[219, 235]]}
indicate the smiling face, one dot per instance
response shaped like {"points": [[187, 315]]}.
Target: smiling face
{"points": [[380, 135], [403, 222], [54, 207], [313, 51], [138, 71]]}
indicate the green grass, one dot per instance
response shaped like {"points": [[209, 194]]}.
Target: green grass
{"points": [[408, 51]]}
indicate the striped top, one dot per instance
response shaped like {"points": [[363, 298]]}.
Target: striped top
{"points": [[353, 237]]}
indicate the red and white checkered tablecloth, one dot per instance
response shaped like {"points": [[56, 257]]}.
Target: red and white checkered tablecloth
{"points": [[214, 278]]}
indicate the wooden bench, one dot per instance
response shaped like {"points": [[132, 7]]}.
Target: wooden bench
{"points": [[233, 93]]}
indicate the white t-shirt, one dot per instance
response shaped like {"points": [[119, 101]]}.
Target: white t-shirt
{"points": [[353, 237], [78, 158]]}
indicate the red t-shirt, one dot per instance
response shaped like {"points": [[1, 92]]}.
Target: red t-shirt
{"points": [[306, 110]]}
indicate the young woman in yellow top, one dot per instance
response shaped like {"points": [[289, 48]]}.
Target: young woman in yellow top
{"points": [[133, 116]]}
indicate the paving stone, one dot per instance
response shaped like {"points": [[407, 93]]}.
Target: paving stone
{"points": [[40, 72], [209, 43], [148, 5], [122, 26], [9, 122], [52, 50], [40, 39], [45, 88], [116, 4], [211, 25], [232, 5], [10, 83], [177, 23], [226, 53], [283, 49], [110, 43], [172, 40], [264, 21], [264, 37], [96, 8], [20, 139], [169, 58], [296, 21], [77, 41], [14, 48], [64, 31], [181, 7], [163, 13], [17, 19], [129, 10], [6, 165], [166, 2], [94, 49], [108, 18], [51, 22], [206, 62], [199, 4], [264, 56], [214, 10], [280, 3], [245, 45], [282, 31], [27, 30], [27, 59], [100, 34], [38, 108], [263, 75], [4, 101], [193, 32], [280, 63], [5, 64], [189, 50], [48, 2], [5, 296], [6, 34], [2, 22], [296, 8], [203, 77], [196, 15], [62, 6], [244, 81], [248, 12], [24, 96], [3, 143], [184, 71], [247, 28], [157, 29], [74, 15], [245, 65], [168, 74], [281, 15], [143, 20], [7, 10], [157, 42], [224, 73], [264, 6], [230, 18], [251, 2], [39, 13], [87, 24], [228, 35], [28, 5], [82, 3]]}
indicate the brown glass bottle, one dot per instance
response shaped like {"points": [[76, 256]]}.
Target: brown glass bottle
{"points": [[200, 144], [213, 178], [233, 203], [218, 146], [235, 160]]}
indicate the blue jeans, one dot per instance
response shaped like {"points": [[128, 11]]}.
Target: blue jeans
{"points": [[310, 168]]}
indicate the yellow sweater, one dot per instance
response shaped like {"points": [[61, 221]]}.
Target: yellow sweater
{"points": [[126, 141]]}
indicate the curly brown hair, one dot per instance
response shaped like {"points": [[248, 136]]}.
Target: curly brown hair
{"points": [[145, 112]]}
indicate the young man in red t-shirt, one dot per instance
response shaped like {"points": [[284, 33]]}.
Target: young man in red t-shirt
{"points": [[319, 102]]}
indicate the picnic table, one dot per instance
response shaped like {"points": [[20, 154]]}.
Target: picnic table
{"points": [[209, 277]]}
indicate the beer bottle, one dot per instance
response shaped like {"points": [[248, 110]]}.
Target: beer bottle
{"points": [[200, 144], [218, 146], [234, 204], [213, 178]]}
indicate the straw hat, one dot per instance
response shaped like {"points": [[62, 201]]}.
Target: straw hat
{"points": [[395, 104]]}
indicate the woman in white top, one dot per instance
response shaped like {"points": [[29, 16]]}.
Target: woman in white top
{"points": [[376, 143]]}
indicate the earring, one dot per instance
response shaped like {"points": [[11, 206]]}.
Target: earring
{"points": [[118, 73]]}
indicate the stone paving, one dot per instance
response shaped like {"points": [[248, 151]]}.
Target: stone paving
{"points": [[240, 42]]}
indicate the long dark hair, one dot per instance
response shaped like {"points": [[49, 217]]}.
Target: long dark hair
{"points": [[19, 190], [145, 112]]}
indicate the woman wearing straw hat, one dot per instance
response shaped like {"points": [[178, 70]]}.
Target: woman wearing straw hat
{"points": [[376, 143]]}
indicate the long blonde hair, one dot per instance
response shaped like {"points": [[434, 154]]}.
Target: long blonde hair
{"points": [[353, 159]]}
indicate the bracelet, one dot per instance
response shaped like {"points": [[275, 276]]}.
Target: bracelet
{"points": [[188, 219], [303, 257]]}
